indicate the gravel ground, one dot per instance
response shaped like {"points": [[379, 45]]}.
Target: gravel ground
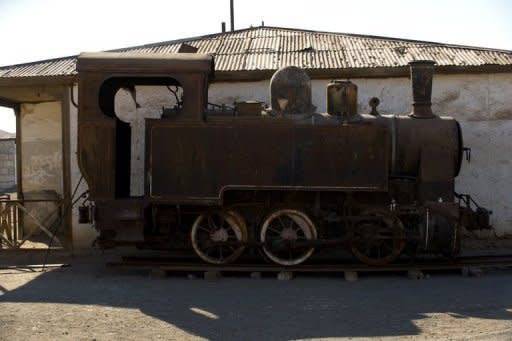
{"points": [[90, 302]]}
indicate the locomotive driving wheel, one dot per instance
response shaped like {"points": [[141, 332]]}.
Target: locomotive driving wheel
{"points": [[281, 235], [379, 240], [216, 236]]}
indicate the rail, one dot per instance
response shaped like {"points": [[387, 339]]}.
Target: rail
{"points": [[169, 264]]}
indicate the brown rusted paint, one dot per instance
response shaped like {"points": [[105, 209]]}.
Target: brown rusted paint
{"points": [[421, 81], [265, 153], [342, 98], [287, 157]]}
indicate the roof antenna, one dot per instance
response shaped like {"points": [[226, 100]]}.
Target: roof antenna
{"points": [[231, 6]]}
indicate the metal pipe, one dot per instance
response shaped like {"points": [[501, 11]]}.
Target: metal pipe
{"points": [[421, 82], [72, 96], [232, 10]]}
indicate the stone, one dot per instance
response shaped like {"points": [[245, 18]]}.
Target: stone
{"points": [[469, 271], [256, 275], [350, 276], [212, 275], [285, 275], [415, 274], [157, 274]]}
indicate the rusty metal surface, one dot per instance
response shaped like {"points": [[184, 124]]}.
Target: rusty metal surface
{"points": [[273, 154], [148, 62], [290, 91], [121, 220], [422, 72], [342, 98], [402, 167], [103, 139], [96, 145], [270, 48]]}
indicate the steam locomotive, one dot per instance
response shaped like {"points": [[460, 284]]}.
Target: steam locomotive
{"points": [[282, 179]]}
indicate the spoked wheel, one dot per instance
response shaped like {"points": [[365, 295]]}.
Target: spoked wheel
{"points": [[379, 240], [216, 236], [282, 232]]}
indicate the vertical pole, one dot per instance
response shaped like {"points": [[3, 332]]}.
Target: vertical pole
{"points": [[231, 5], [19, 182], [66, 215], [19, 172]]}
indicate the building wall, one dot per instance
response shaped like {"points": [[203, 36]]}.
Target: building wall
{"points": [[41, 160], [482, 103], [7, 165], [41, 147]]}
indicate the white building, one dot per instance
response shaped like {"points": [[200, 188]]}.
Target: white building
{"points": [[472, 84]]}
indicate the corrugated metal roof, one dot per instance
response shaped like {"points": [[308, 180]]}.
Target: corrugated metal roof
{"points": [[269, 48], [53, 67]]}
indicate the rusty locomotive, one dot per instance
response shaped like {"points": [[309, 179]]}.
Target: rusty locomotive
{"points": [[283, 179]]}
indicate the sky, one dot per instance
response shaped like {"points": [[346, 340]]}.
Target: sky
{"points": [[32, 30]]}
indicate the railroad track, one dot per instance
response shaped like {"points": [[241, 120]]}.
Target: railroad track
{"points": [[164, 264]]}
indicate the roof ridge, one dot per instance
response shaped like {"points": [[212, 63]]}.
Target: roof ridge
{"points": [[220, 35], [356, 35]]}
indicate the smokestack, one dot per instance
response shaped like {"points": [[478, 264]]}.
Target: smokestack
{"points": [[231, 6], [223, 25], [421, 81]]}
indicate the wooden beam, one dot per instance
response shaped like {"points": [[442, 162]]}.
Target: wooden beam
{"points": [[66, 168]]}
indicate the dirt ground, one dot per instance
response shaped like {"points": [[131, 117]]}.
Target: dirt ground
{"points": [[88, 301]]}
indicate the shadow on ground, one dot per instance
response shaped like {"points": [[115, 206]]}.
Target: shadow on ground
{"points": [[306, 307]]}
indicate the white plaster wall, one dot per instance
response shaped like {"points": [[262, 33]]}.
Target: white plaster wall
{"points": [[41, 147], [41, 159], [134, 108], [482, 103], [229, 93]]}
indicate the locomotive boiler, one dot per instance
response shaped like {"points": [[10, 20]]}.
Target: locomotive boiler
{"points": [[282, 179]]}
